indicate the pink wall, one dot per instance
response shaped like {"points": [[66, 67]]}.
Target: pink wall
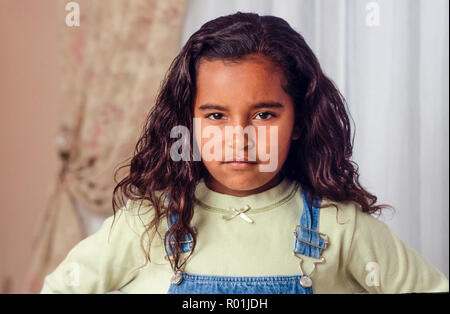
{"points": [[28, 125]]}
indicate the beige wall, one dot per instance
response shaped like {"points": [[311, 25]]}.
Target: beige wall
{"points": [[28, 124]]}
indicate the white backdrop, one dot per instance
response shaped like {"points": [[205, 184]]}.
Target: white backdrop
{"points": [[390, 61]]}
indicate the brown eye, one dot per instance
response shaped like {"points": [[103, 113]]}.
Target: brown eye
{"points": [[264, 115], [216, 116]]}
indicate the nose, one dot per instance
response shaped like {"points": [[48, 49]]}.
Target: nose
{"points": [[238, 136]]}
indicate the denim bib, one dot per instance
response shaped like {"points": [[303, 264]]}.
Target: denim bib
{"points": [[308, 241]]}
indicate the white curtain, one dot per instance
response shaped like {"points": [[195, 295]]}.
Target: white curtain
{"points": [[390, 61]]}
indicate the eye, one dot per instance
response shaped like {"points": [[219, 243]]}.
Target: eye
{"points": [[263, 115], [215, 115]]}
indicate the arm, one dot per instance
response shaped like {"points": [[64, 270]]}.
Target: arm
{"points": [[381, 263], [102, 262]]}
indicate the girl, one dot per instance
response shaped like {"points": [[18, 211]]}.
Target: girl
{"points": [[296, 222]]}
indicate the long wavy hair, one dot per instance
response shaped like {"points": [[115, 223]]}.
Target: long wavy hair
{"points": [[319, 160]]}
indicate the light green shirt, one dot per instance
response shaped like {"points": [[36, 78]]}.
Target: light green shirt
{"points": [[363, 255]]}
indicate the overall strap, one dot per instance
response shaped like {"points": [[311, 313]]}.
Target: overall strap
{"points": [[186, 243], [309, 240]]}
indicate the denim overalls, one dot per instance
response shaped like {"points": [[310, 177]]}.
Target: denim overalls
{"points": [[307, 241]]}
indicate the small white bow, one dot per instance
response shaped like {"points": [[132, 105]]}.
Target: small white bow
{"points": [[239, 212]]}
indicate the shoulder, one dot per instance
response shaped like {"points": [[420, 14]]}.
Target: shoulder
{"points": [[134, 217], [349, 215], [359, 233], [346, 223], [137, 219], [341, 215]]}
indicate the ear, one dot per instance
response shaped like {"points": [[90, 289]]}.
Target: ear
{"points": [[295, 133]]}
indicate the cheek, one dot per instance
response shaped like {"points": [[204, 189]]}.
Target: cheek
{"points": [[211, 138], [281, 139]]}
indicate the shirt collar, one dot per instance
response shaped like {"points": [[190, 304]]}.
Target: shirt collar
{"points": [[259, 202]]}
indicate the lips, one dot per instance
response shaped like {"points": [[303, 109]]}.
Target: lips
{"points": [[240, 165], [239, 160]]}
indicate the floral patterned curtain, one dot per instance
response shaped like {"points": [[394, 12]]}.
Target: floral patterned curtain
{"points": [[112, 67]]}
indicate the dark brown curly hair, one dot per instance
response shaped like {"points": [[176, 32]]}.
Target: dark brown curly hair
{"points": [[319, 160]]}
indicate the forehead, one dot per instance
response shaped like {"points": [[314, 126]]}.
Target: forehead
{"points": [[247, 81]]}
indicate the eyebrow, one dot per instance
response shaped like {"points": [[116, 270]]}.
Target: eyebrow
{"points": [[264, 104]]}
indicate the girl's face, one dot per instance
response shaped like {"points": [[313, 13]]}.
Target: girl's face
{"points": [[243, 94]]}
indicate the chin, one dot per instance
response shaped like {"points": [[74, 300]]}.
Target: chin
{"points": [[244, 182]]}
